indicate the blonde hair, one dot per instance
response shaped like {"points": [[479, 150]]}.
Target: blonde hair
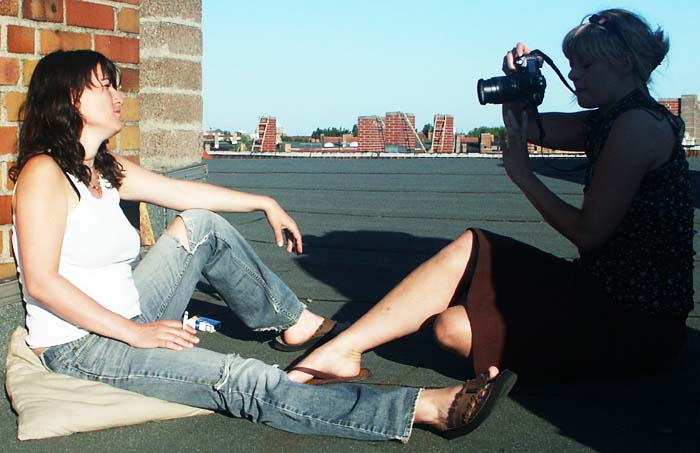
{"points": [[613, 34]]}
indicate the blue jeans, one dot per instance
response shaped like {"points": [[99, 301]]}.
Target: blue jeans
{"points": [[228, 382]]}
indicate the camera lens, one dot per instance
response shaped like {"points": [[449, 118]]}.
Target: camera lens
{"points": [[498, 90]]}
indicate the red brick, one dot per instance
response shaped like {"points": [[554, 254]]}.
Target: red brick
{"points": [[13, 105], [124, 50], [89, 15], [9, 8], [43, 10], [5, 209], [8, 140], [8, 270], [9, 71], [130, 79], [128, 19], [28, 70], [50, 40], [20, 39]]}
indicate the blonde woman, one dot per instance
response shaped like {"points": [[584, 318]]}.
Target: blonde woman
{"points": [[622, 305]]}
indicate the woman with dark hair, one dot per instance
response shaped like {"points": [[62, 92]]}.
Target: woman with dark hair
{"points": [[90, 316], [622, 305]]}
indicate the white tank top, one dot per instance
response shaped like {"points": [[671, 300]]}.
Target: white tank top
{"points": [[98, 248]]}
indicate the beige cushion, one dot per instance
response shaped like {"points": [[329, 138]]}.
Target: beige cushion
{"points": [[51, 404]]}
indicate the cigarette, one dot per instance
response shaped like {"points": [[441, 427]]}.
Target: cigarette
{"points": [[184, 320]]}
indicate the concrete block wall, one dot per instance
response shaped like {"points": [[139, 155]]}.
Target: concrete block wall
{"points": [[398, 131], [485, 143], [443, 134], [370, 134], [690, 112], [30, 29], [171, 83]]}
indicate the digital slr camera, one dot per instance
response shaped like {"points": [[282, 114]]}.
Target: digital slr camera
{"points": [[526, 84]]}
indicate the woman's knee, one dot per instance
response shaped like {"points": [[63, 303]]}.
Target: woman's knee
{"points": [[194, 218], [177, 230], [194, 226], [459, 250], [452, 330], [464, 241]]}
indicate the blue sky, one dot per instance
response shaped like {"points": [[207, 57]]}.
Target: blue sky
{"points": [[320, 63]]}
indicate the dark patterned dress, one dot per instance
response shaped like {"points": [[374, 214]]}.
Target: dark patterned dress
{"points": [[648, 261], [623, 305]]}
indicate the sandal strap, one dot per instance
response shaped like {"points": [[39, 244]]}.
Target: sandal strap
{"points": [[476, 384], [469, 399]]}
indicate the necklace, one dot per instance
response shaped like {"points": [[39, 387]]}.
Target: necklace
{"points": [[95, 185]]}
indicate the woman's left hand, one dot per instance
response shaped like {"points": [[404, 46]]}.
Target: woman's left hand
{"points": [[285, 228], [516, 159]]}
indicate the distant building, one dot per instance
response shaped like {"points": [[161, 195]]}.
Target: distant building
{"points": [[220, 140], [467, 144], [443, 140], [266, 140], [688, 108], [370, 134], [343, 142], [331, 142], [487, 144], [400, 132], [395, 132]]}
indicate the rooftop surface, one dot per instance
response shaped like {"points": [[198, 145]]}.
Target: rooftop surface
{"points": [[366, 224]]}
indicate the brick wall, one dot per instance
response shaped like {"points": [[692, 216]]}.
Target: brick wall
{"points": [[370, 134], [267, 135], [443, 134], [673, 104], [486, 143], [400, 132], [688, 108], [30, 29]]}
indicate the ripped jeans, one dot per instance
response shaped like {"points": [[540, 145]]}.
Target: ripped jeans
{"points": [[228, 382]]}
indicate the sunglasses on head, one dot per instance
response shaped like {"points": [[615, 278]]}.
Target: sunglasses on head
{"points": [[608, 25]]}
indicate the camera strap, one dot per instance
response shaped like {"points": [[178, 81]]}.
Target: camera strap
{"points": [[551, 64], [549, 61]]}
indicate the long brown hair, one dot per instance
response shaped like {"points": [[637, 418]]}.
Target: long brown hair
{"points": [[52, 122]]}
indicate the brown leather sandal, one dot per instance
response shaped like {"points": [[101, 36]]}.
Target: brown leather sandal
{"points": [[475, 401]]}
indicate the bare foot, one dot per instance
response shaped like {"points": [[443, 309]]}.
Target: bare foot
{"points": [[304, 328], [433, 407], [329, 358]]}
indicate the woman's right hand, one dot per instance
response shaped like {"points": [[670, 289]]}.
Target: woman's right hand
{"points": [[519, 50], [162, 334], [508, 68]]}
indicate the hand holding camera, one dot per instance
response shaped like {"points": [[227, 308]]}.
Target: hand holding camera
{"points": [[519, 50], [523, 80]]}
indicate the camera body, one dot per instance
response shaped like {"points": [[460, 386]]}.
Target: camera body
{"points": [[526, 84]]}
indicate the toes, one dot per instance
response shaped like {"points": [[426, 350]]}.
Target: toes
{"points": [[493, 372]]}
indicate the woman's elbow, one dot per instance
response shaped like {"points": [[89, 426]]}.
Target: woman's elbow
{"points": [[39, 287], [590, 240]]}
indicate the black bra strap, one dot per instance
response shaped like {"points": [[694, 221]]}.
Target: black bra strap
{"points": [[72, 185]]}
